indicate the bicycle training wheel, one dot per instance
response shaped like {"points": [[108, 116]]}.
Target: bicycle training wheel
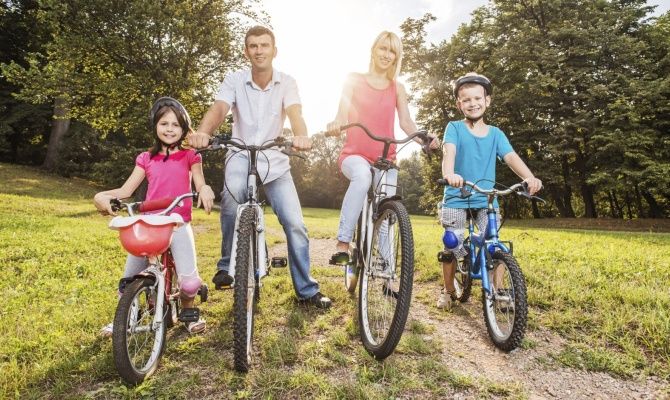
{"points": [[462, 279], [506, 308], [386, 282], [136, 343], [245, 296]]}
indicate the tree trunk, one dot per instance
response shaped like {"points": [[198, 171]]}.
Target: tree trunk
{"points": [[613, 210], [618, 206], [654, 210], [59, 128], [536, 210], [567, 190], [585, 189], [638, 202], [626, 199]]}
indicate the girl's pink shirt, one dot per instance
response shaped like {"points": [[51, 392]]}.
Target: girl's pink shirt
{"points": [[375, 109], [170, 178]]}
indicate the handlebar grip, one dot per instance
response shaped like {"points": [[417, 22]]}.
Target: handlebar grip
{"points": [[116, 204], [153, 205], [331, 133], [442, 182]]}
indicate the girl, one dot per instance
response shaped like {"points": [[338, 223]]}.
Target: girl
{"points": [[371, 99], [168, 169]]}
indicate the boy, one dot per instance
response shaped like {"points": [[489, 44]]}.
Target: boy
{"points": [[470, 148]]}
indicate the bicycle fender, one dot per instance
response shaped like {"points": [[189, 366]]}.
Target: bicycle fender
{"points": [[390, 198]]}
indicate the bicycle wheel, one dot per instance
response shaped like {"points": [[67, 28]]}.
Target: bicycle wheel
{"points": [[386, 282], [136, 343], [462, 279], [245, 296], [506, 308]]}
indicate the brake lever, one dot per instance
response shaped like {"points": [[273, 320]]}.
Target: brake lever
{"points": [[465, 193], [294, 153]]}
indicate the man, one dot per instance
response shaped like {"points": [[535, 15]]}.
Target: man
{"points": [[260, 100]]}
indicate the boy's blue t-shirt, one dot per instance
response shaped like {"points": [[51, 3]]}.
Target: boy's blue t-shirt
{"points": [[475, 160]]}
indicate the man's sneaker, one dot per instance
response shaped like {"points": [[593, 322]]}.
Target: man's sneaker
{"points": [[107, 330], [446, 300], [222, 280], [318, 301], [340, 258]]}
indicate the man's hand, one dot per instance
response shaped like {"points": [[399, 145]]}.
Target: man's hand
{"points": [[435, 143], [199, 140], [534, 185], [302, 143], [454, 180]]}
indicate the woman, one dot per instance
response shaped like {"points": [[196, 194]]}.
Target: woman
{"points": [[371, 99]]}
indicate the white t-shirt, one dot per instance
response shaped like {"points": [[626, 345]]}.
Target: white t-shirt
{"points": [[258, 116]]}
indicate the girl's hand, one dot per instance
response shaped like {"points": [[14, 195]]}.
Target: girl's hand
{"points": [[334, 127], [103, 204], [206, 198], [454, 180]]}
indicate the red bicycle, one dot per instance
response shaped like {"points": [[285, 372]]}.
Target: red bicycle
{"points": [[150, 301]]}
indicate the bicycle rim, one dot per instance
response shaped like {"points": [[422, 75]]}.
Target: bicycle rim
{"points": [[505, 308], [137, 344], [244, 296], [386, 282]]}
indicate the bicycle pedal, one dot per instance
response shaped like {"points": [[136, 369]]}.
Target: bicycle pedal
{"points": [[203, 292], [189, 315], [224, 287], [278, 262]]}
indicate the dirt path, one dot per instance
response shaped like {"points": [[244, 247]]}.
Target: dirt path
{"points": [[466, 349]]}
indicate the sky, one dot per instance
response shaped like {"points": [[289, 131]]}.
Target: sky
{"points": [[320, 42]]}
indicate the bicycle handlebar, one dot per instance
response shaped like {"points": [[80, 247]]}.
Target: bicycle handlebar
{"points": [[494, 192], [423, 135], [167, 204], [220, 142]]}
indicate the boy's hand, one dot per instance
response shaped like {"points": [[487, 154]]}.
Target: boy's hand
{"points": [[206, 198], [534, 185], [454, 180]]}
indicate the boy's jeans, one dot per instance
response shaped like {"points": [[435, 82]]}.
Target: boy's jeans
{"points": [[285, 203]]}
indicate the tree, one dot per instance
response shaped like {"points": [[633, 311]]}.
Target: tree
{"points": [[107, 62]]}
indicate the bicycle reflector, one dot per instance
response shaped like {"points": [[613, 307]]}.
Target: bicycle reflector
{"points": [[146, 235]]}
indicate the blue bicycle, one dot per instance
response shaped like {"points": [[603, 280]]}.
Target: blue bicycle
{"points": [[491, 260]]}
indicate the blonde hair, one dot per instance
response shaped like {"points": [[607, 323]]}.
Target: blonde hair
{"points": [[396, 47]]}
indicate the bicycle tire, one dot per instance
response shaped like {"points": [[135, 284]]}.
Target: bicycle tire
{"points": [[136, 346], [375, 305], [245, 297], [462, 278], [506, 304]]}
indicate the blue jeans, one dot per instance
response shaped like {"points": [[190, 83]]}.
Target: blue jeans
{"points": [[286, 205], [357, 170]]}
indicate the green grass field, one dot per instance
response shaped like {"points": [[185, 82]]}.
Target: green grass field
{"points": [[605, 292]]}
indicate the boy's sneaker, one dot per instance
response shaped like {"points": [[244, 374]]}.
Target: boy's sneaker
{"points": [[446, 300], [107, 330]]}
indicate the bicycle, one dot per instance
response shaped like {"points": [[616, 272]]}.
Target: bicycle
{"points": [[383, 249], [150, 302], [491, 260], [249, 260]]}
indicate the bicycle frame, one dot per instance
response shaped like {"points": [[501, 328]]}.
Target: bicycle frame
{"points": [[483, 244]]}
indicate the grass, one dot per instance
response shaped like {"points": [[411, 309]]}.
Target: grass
{"points": [[606, 292]]}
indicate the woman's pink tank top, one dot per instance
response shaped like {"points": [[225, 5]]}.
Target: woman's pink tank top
{"points": [[375, 109]]}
